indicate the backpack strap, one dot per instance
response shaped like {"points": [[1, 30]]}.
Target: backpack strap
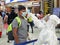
{"points": [[18, 20], [10, 26]]}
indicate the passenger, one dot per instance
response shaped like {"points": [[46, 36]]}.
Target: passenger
{"points": [[47, 35], [30, 21], [20, 32], [9, 17]]}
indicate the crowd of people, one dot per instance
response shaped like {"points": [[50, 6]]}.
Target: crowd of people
{"points": [[17, 25], [11, 22]]}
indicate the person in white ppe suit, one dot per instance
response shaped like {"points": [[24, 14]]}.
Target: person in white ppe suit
{"points": [[47, 35], [36, 21]]}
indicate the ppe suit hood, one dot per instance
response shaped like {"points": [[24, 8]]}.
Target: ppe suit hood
{"points": [[55, 19]]}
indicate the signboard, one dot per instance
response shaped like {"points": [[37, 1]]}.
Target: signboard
{"points": [[35, 4], [9, 1], [56, 11]]}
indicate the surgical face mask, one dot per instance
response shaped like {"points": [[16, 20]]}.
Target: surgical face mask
{"points": [[24, 14]]}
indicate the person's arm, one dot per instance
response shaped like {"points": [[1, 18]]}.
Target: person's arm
{"points": [[15, 35], [5, 18], [15, 29], [28, 37]]}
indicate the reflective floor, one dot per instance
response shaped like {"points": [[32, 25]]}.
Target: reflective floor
{"points": [[3, 40]]}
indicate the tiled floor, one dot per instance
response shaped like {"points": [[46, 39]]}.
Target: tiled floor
{"points": [[3, 40]]}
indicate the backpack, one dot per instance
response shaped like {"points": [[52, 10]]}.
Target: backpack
{"points": [[9, 30]]}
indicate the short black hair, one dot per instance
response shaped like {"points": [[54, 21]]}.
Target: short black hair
{"points": [[21, 7], [40, 12]]}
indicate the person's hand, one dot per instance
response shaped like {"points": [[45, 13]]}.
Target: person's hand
{"points": [[5, 19], [17, 42], [29, 38]]}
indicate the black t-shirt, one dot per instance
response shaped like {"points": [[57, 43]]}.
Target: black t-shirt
{"points": [[11, 17]]}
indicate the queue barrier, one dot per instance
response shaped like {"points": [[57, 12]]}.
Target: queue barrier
{"points": [[32, 41], [28, 42]]}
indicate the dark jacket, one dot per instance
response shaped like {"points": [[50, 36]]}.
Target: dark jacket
{"points": [[11, 17], [0, 13]]}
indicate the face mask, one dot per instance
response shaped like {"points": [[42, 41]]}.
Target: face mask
{"points": [[24, 14]]}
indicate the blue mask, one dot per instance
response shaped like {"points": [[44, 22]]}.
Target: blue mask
{"points": [[24, 14]]}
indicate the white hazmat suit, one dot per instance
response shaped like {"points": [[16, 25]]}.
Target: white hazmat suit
{"points": [[47, 35]]}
